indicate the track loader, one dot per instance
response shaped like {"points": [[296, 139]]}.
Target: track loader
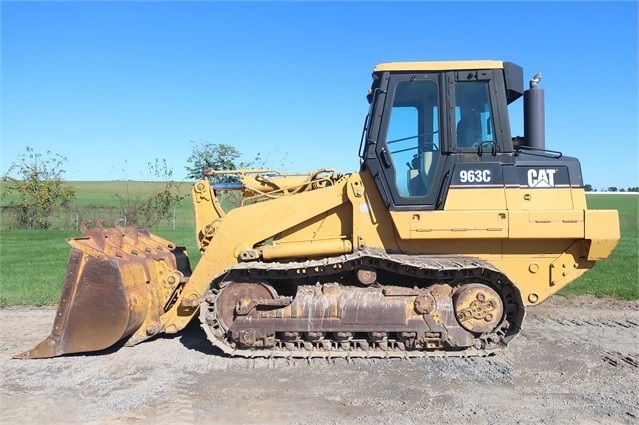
{"points": [[450, 230]]}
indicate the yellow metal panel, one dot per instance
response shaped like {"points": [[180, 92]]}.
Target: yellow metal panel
{"points": [[207, 211], [546, 199], [372, 223], [336, 222], [602, 228], [549, 224], [514, 199], [487, 249], [439, 65], [579, 198], [451, 224], [476, 199], [540, 267], [534, 249]]}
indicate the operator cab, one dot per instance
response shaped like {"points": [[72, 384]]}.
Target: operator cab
{"points": [[426, 117]]}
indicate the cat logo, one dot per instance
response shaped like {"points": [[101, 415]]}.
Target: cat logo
{"points": [[541, 178]]}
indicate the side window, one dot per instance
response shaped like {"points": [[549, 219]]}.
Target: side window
{"points": [[473, 114], [413, 136]]}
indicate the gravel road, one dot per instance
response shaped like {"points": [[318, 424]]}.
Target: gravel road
{"points": [[576, 361]]}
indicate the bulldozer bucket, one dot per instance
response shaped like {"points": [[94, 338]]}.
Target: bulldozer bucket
{"points": [[119, 282]]}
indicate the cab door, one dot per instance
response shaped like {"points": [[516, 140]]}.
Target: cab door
{"points": [[409, 164]]}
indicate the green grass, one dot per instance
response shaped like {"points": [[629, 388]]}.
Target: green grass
{"points": [[32, 266], [103, 193], [33, 263], [98, 200]]}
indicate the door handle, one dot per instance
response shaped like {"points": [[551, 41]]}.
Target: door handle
{"points": [[383, 155]]}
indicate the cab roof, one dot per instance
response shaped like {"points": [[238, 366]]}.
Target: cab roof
{"points": [[439, 65]]}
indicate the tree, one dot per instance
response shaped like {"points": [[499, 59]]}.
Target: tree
{"points": [[612, 189], [588, 188], [148, 209], [37, 180], [213, 156]]}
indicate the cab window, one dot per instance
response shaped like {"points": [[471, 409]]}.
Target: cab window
{"points": [[413, 136], [474, 121]]}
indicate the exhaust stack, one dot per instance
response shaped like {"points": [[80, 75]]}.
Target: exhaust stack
{"points": [[534, 115]]}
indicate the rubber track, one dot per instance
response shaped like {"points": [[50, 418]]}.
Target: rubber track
{"points": [[435, 268]]}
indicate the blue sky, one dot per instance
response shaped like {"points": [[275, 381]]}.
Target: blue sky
{"points": [[114, 85]]}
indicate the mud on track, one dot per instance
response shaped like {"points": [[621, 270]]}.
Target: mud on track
{"points": [[577, 361]]}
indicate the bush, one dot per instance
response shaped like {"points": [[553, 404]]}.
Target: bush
{"points": [[37, 180]]}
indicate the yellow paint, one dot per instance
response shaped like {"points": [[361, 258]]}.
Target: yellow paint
{"points": [[602, 229], [542, 239], [439, 65], [244, 228], [475, 199], [451, 224]]}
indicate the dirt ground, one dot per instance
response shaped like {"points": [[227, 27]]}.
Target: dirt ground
{"points": [[576, 361]]}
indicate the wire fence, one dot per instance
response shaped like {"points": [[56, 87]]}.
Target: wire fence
{"points": [[70, 218]]}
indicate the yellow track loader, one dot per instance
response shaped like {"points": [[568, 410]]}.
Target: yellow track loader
{"points": [[451, 228]]}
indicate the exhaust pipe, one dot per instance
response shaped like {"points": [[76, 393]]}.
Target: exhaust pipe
{"points": [[534, 115]]}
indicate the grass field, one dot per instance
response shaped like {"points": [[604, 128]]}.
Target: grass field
{"points": [[33, 263], [103, 193], [98, 200]]}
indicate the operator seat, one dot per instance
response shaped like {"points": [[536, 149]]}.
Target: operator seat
{"points": [[469, 131], [420, 178]]}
